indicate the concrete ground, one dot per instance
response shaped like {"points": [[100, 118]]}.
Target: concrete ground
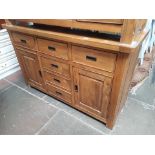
{"points": [[24, 110]]}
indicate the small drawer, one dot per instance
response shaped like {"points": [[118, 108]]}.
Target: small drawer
{"points": [[23, 40], [60, 94], [93, 58], [52, 48], [55, 66], [58, 81]]}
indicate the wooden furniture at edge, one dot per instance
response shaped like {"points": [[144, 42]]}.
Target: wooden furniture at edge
{"points": [[90, 74], [2, 21]]}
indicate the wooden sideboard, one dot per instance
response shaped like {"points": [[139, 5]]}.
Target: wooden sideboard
{"points": [[89, 73]]}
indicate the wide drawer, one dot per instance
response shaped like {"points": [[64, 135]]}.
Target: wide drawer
{"points": [[93, 58], [23, 40], [57, 80], [53, 48], [55, 66], [60, 94]]}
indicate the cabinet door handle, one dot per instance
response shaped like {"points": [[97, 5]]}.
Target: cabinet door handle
{"points": [[58, 93], [57, 80], [40, 73], [54, 65], [76, 88], [91, 58], [23, 41], [51, 48]]}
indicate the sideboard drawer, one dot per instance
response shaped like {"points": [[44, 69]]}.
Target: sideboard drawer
{"points": [[23, 40], [93, 58], [55, 49], [63, 95], [55, 66], [57, 80]]}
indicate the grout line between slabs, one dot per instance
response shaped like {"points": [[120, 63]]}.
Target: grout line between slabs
{"points": [[56, 107], [144, 104], [46, 123], [5, 89]]}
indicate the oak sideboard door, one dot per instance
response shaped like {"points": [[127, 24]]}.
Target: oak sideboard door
{"points": [[91, 92], [31, 68]]}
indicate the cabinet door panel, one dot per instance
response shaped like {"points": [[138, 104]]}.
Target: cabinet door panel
{"points": [[92, 92], [30, 64], [31, 68]]}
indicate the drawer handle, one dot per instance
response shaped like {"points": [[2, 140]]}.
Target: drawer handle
{"points": [[51, 48], [57, 80], [23, 41], [40, 73], [58, 93], [53, 65], [76, 88], [91, 58]]}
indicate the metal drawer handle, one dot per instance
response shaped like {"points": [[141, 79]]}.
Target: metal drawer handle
{"points": [[40, 73], [23, 41], [57, 80], [58, 93], [53, 65], [76, 88], [91, 58], [51, 48]]}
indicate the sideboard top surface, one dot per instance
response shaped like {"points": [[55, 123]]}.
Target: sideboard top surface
{"points": [[110, 45]]}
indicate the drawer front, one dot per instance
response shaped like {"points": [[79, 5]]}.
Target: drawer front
{"points": [[6, 49], [55, 66], [23, 40], [93, 58], [57, 81], [55, 49], [60, 94]]}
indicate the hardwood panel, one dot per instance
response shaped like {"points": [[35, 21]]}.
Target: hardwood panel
{"points": [[53, 48], [102, 21], [96, 26], [96, 59], [92, 91], [30, 64]]}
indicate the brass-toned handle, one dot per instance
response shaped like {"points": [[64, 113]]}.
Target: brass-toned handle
{"points": [[40, 73], [58, 93], [54, 65], [51, 48], [57, 80], [91, 58], [76, 88], [23, 41]]}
